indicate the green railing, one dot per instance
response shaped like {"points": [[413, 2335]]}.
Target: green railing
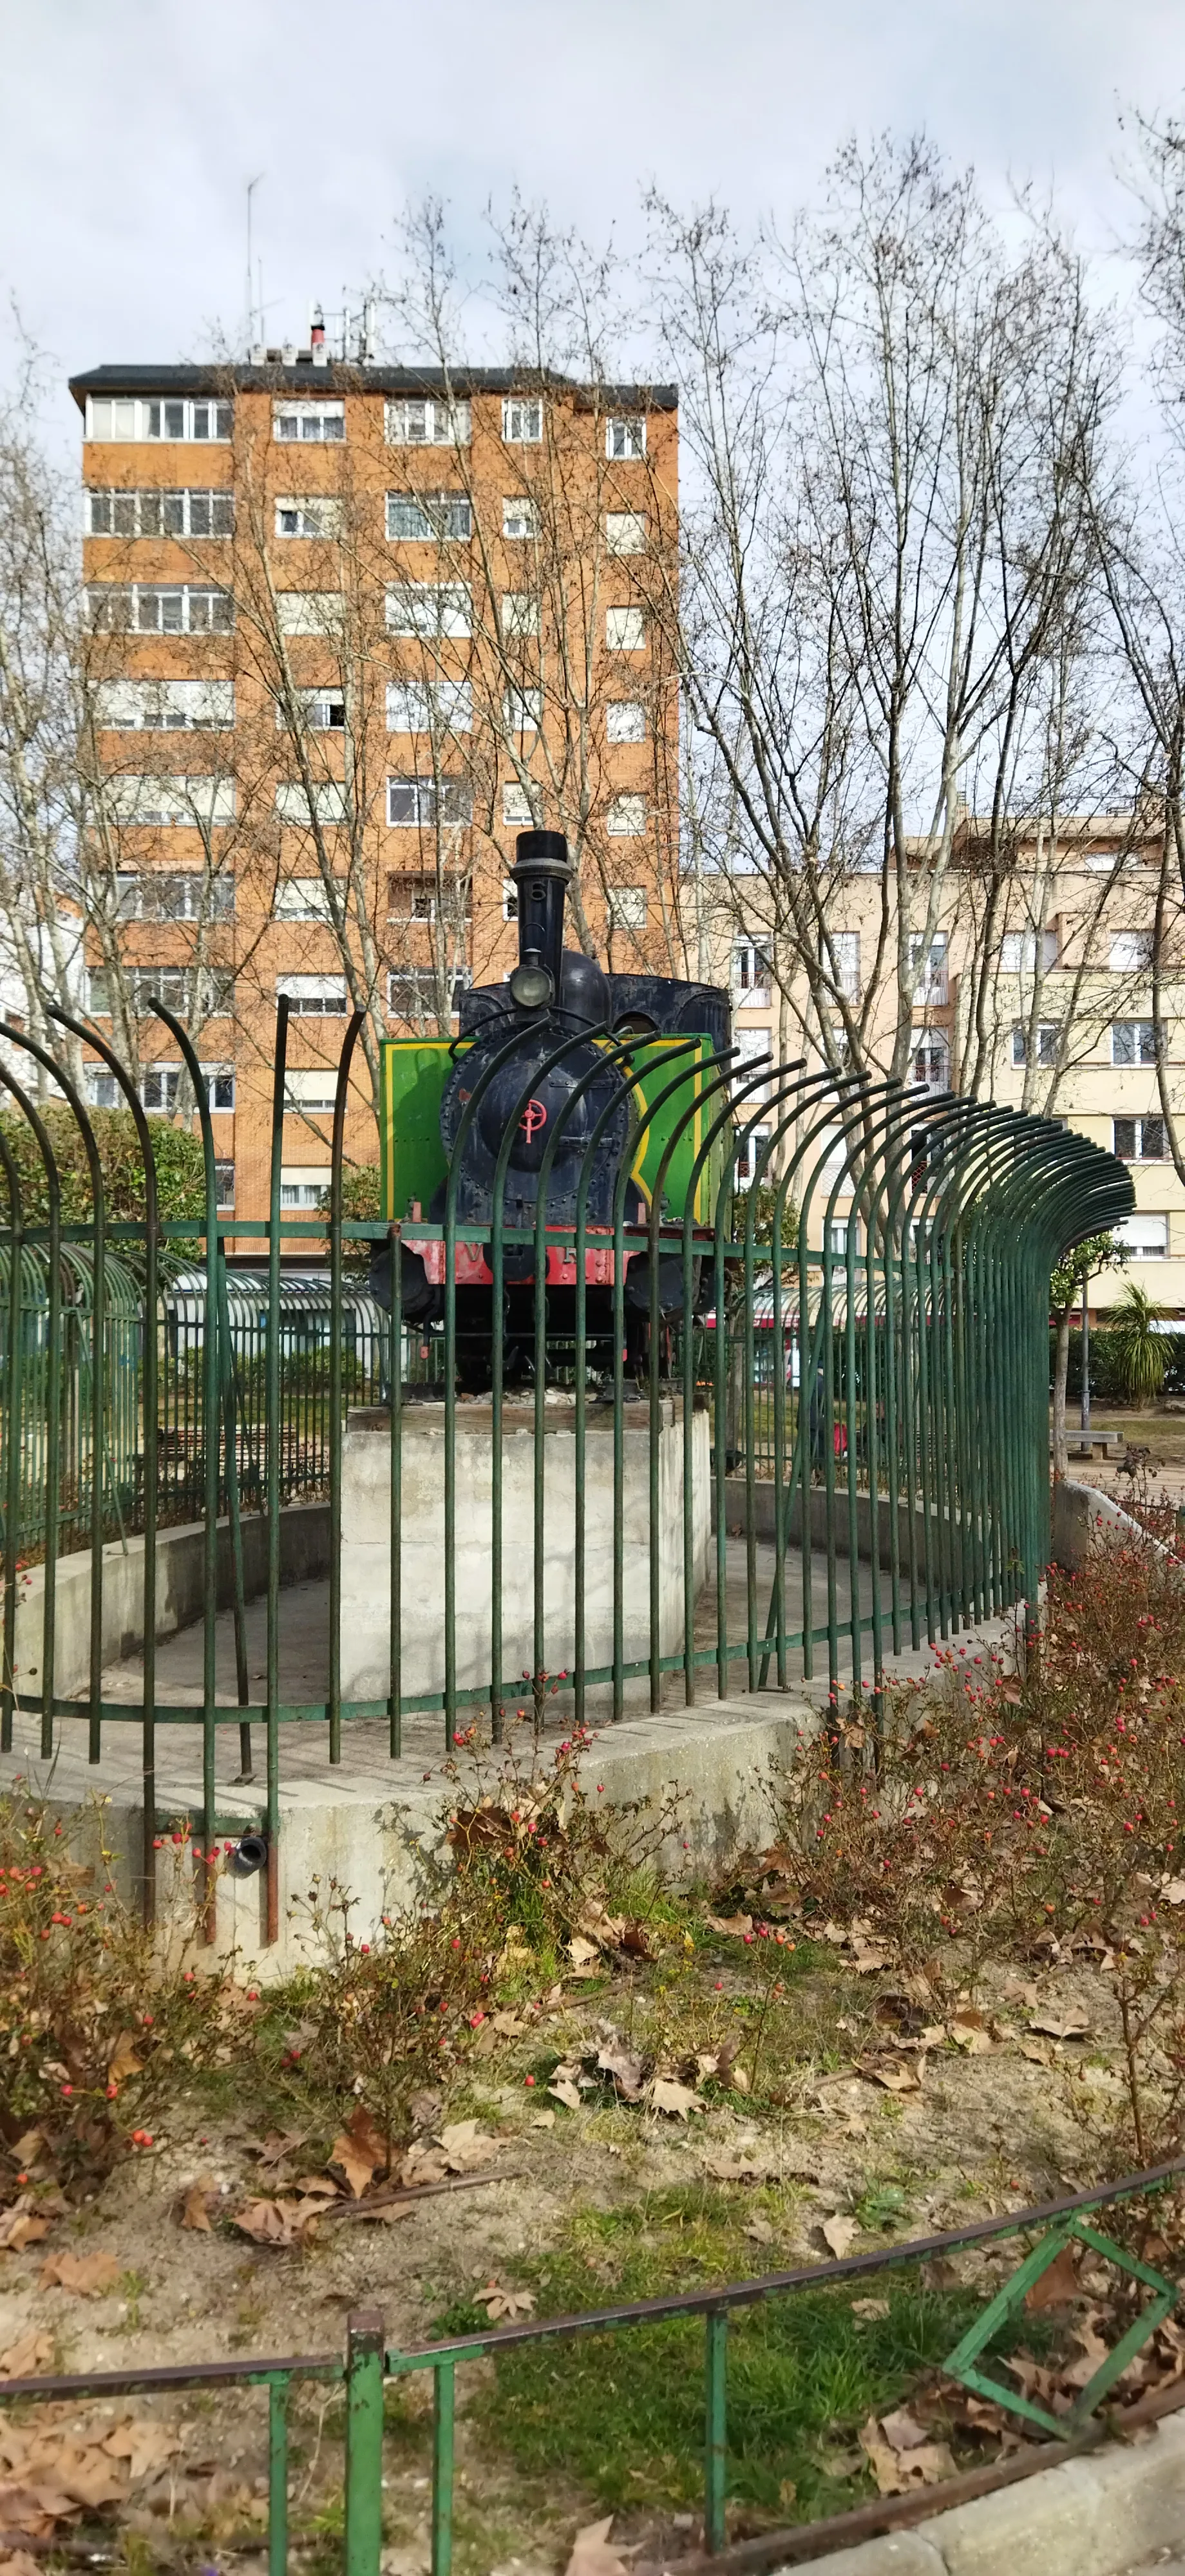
{"points": [[369, 2363], [586, 1465]]}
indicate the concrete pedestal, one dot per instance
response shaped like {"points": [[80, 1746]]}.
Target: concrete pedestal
{"points": [[365, 1561]]}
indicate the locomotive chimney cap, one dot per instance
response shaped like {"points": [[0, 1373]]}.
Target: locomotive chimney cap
{"points": [[543, 853]]}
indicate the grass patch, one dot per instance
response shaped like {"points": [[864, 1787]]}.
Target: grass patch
{"points": [[621, 2414]]}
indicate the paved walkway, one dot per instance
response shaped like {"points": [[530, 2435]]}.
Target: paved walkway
{"points": [[366, 1759]]}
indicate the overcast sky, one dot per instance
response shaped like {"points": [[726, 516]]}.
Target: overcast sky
{"points": [[131, 128]]}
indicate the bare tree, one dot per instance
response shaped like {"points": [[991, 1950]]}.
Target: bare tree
{"points": [[893, 428]]}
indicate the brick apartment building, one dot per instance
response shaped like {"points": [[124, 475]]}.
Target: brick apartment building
{"points": [[351, 627]]}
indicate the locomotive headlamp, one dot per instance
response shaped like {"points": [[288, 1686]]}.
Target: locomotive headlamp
{"points": [[532, 986]]}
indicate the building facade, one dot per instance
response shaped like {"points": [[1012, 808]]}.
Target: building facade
{"points": [[1037, 992], [350, 629]]}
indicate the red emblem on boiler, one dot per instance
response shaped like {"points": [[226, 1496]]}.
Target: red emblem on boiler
{"points": [[534, 1117]]}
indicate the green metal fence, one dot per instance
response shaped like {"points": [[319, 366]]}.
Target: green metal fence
{"points": [[370, 2363], [628, 1492]]}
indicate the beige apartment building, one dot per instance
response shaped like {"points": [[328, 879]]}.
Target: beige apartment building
{"points": [[1051, 1008], [351, 628]]}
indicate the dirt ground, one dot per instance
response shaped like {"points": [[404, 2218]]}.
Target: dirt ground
{"points": [[988, 2128]]}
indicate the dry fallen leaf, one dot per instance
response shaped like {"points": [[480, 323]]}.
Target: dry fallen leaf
{"points": [[902, 2430], [921, 2464], [19, 2227], [675, 2100], [281, 2223], [503, 2306], [760, 2231], [582, 1952], [1173, 1891], [19, 2562], [87, 2274], [735, 1925], [564, 2090], [723, 2168], [30, 2354], [840, 2234], [1057, 2283], [360, 2150], [1061, 2025], [968, 2031], [870, 2311], [123, 2059], [896, 2075], [545, 2119], [195, 2211], [423, 2163], [593, 2553], [626, 2067], [144, 2446], [868, 1956], [465, 2148]]}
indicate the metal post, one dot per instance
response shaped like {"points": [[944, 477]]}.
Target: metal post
{"points": [[277, 2477], [715, 2426], [444, 2388], [364, 2442], [1086, 1354]]}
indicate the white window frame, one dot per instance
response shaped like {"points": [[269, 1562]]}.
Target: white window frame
{"points": [[1153, 1119], [1134, 1232], [516, 806], [1048, 1035], [1143, 1032], [626, 818], [627, 908], [200, 420], [169, 804], [171, 984], [845, 946], [625, 720], [422, 421], [522, 710], [429, 609], [314, 997], [327, 803], [625, 438], [428, 795], [181, 894], [1130, 952], [751, 988], [520, 520], [522, 420], [929, 967], [751, 1144], [310, 612], [165, 706], [317, 514], [186, 503], [439, 706], [509, 899], [302, 1186], [317, 424], [435, 509], [1018, 952], [200, 608], [519, 615], [625, 630], [302, 899], [316, 707], [625, 532], [312, 1089]]}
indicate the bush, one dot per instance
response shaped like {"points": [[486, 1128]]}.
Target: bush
{"points": [[97, 2025]]}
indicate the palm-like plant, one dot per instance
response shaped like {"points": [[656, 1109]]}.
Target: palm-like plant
{"points": [[1138, 1348]]}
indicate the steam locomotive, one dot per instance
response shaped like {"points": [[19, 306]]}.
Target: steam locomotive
{"points": [[636, 1046]]}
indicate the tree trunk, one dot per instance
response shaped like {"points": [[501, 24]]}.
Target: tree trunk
{"points": [[1061, 1366]]}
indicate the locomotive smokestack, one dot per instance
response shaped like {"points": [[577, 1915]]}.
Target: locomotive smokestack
{"points": [[542, 873]]}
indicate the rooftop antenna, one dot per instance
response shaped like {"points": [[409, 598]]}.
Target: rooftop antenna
{"points": [[252, 185]]}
